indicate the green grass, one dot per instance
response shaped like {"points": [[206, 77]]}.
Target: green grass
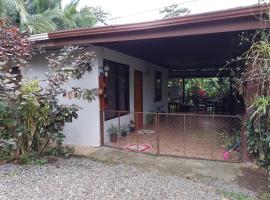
{"points": [[235, 196]]}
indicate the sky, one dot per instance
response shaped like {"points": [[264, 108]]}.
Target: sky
{"points": [[131, 11]]}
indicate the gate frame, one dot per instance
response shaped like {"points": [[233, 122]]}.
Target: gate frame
{"points": [[243, 118]]}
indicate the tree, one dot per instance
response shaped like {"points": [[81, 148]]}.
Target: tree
{"points": [[85, 17], [173, 11], [17, 11], [47, 15]]}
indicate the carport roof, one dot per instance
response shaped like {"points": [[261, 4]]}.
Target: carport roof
{"points": [[193, 45], [237, 19]]}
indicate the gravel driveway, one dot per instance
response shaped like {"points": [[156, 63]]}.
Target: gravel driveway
{"points": [[82, 178]]}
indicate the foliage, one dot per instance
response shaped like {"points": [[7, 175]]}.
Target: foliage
{"points": [[173, 11], [47, 15], [252, 73], [124, 128], [256, 73], [214, 87], [149, 118], [207, 87], [258, 128], [113, 130], [17, 11], [227, 139], [59, 151], [33, 118], [5, 155]]}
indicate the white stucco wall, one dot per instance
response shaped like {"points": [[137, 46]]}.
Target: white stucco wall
{"points": [[85, 130], [148, 69]]}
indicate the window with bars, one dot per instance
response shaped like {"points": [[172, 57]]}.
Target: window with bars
{"points": [[117, 88]]}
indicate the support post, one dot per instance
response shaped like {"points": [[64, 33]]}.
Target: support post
{"points": [[101, 115], [184, 88], [244, 151], [184, 134], [157, 133], [119, 129]]}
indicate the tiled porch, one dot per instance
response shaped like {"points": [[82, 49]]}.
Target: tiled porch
{"points": [[192, 136]]}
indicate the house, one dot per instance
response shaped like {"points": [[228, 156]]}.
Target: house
{"points": [[139, 59]]}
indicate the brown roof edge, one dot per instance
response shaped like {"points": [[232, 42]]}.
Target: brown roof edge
{"points": [[196, 18]]}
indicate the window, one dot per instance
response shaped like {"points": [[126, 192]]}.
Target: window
{"points": [[158, 86], [117, 89]]}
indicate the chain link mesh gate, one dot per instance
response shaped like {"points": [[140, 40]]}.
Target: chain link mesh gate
{"points": [[212, 137]]}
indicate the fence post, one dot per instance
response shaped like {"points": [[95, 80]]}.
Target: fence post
{"points": [[101, 115], [157, 132], [184, 135], [119, 129], [244, 139], [212, 131], [137, 133]]}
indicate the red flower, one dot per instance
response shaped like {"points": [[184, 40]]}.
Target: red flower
{"points": [[202, 92]]}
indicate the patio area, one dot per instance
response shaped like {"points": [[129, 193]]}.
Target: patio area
{"points": [[185, 135]]}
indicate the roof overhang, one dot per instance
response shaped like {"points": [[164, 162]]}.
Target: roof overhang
{"points": [[190, 46], [239, 19]]}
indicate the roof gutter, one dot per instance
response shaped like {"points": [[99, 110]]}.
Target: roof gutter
{"points": [[190, 19], [120, 32]]}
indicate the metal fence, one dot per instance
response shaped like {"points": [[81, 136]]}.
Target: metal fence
{"points": [[212, 137]]}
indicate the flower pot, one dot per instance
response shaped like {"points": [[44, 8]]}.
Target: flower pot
{"points": [[132, 129], [124, 134], [113, 138]]}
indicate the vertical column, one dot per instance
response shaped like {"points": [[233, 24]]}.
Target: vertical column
{"points": [[157, 132], [119, 128], [183, 94], [212, 134], [184, 134], [243, 136], [101, 115]]}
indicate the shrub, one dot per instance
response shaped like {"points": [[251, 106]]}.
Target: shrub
{"points": [[33, 117]]}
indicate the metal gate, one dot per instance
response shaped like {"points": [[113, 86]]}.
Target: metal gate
{"points": [[212, 137]]}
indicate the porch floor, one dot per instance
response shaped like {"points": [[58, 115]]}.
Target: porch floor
{"points": [[198, 138]]}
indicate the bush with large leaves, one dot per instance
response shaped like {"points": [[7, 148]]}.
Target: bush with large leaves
{"points": [[253, 70], [32, 117]]}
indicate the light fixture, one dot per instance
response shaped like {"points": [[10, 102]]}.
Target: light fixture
{"points": [[106, 69]]}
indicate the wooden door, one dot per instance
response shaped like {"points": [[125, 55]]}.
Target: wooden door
{"points": [[138, 99]]}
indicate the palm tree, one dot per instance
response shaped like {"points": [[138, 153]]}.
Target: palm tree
{"points": [[17, 10], [72, 17], [47, 15]]}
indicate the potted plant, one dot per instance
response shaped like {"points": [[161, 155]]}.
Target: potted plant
{"points": [[124, 130], [131, 126], [149, 118], [113, 133]]}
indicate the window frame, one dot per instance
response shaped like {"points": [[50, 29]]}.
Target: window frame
{"points": [[126, 91], [157, 86]]}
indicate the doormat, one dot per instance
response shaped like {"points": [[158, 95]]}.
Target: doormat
{"points": [[139, 147], [146, 132]]}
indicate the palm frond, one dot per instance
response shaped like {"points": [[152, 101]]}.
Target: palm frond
{"points": [[39, 24], [7, 5], [71, 8]]}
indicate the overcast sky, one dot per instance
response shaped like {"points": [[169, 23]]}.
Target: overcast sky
{"points": [[148, 9]]}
